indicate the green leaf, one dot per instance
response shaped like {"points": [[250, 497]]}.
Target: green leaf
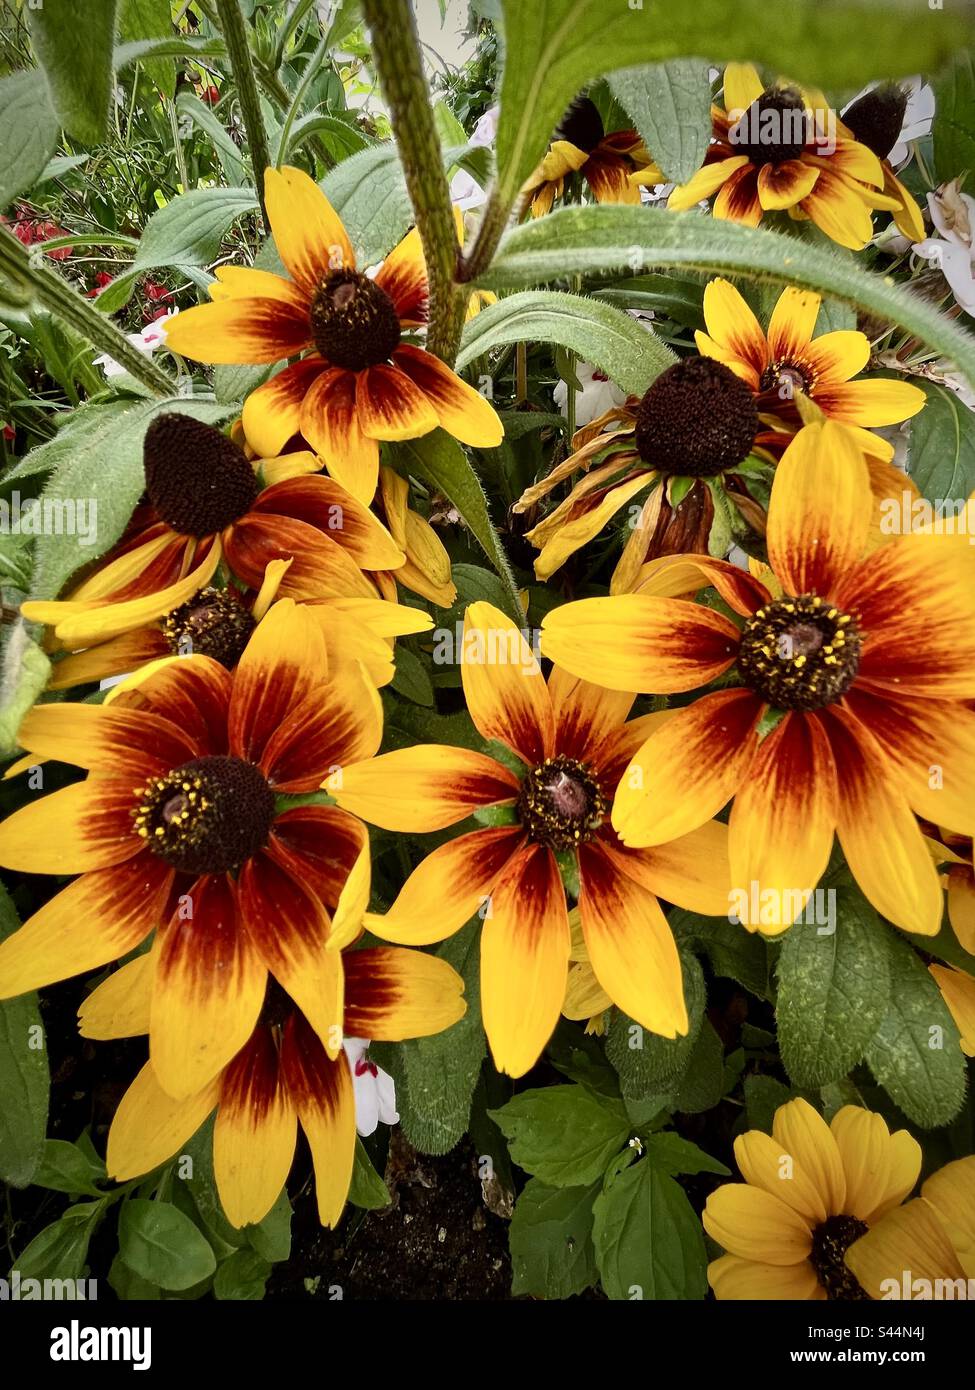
{"points": [[763, 1096], [702, 1083], [552, 1254], [603, 335], [61, 1249], [28, 132], [107, 473], [340, 138], [188, 104], [435, 1077], [834, 988], [24, 1076], [605, 240], [670, 105], [440, 460], [151, 19], [368, 1189], [915, 1054], [160, 1244], [146, 50], [412, 679], [241, 1276], [649, 1065], [942, 454], [672, 1154], [25, 673], [189, 230], [271, 1237], [564, 1135], [66, 1168], [554, 48], [953, 128], [77, 60], [369, 194], [732, 952], [649, 1242], [128, 1286]]}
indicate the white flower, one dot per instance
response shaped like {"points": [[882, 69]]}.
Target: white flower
{"points": [[465, 191], [151, 337], [953, 214], [917, 120], [375, 1091], [598, 394]]}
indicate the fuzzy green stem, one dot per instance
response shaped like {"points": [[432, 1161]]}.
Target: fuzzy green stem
{"points": [[34, 282], [235, 36], [396, 52], [494, 220]]}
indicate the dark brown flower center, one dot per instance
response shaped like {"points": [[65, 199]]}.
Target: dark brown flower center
{"points": [[353, 320], [212, 623], [830, 1242], [581, 125], [197, 479], [696, 420], [799, 653], [561, 804], [207, 816], [772, 129], [877, 117]]}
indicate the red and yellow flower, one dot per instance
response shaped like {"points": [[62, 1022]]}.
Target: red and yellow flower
{"points": [[606, 162], [854, 675], [779, 149], [359, 383], [572, 743], [875, 120], [180, 826], [276, 1077], [811, 1190], [786, 359]]}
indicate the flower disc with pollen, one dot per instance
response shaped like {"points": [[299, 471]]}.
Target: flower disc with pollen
{"points": [[354, 321], [772, 129], [561, 804], [696, 420], [198, 480], [206, 816], [212, 623], [799, 653]]}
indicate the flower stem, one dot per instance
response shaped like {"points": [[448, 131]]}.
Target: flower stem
{"points": [[35, 282], [396, 52], [235, 36]]}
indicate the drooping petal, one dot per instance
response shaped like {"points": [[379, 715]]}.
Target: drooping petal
{"points": [[638, 642], [424, 787], [321, 1091], [119, 1006], [272, 413], [307, 230], [328, 507], [150, 1126], [688, 769], [462, 411], [389, 406], [392, 994], [748, 1280], [524, 959], [255, 1132], [504, 687], [319, 567], [446, 889], [98, 918], [631, 948], [780, 834], [110, 658], [330, 422], [208, 988]]}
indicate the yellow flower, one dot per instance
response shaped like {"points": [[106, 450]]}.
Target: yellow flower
{"points": [[606, 162], [811, 1189]]}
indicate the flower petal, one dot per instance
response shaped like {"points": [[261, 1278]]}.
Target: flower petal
{"points": [[307, 230], [734, 1278], [340, 722], [585, 714], [792, 324], [239, 332], [909, 1245], [255, 1132], [321, 1091], [871, 403], [783, 185], [272, 413], [764, 1165], [424, 787], [85, 826], [881, 1168], [330, 422], [754, 1225], [807, 1138], [504, 687], [392, 994], [403, 275], [706, 181], [119, 1006], [283, 664], [462, 411], [737, 200], [733, 326], [150, 1126], [389, 406], [692, 871]]}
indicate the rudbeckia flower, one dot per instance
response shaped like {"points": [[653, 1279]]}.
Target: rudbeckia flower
{"points": [[573, 742], [695, 427], [360, 383], [581, 146], [773, 149], [849, 713], [180, 825], [958, 991], [876, 120], [811, 1189], [278, 1074], [206, 507], [925, 1249], [787, 359]]}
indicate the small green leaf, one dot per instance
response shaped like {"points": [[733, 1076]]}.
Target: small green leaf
{"points": [[763, 1096], [942, 454], [915, 1053], [649, 1065], [732, 952], [368, 1189], [25, 673], [702, 1083], [670, 105], [77, 61], [65, 1167], [201, 115], [552, 1254], [564, 1135], [953, 127], [412, 679], [24, 1077], [151, 19], [649, 1242], [28, 132], [189, 230], [672, 1154], [242, 1276], [271, 1237], [60, 1251], [160, 1244]]}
